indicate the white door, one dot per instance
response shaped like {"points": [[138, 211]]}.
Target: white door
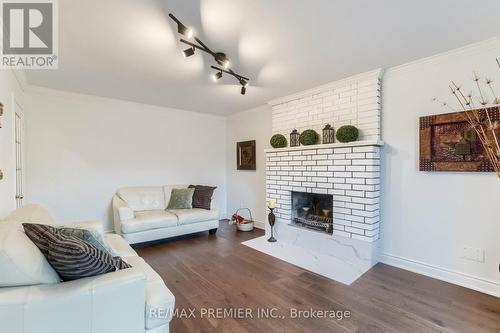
{"points": [[19, 146]]}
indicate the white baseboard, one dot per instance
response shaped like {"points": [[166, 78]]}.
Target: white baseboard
{"points": [[259, 225], [256, 224], [468, 281]]}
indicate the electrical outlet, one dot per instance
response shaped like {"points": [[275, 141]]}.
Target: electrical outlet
{"points": [[472, 253]]}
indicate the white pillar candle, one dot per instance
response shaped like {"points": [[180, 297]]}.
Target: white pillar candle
{"points": [[271, 203]]}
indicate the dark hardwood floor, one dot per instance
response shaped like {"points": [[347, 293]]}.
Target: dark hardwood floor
{"points": [[215, 271]]}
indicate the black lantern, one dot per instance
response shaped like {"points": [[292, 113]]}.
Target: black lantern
{"points": [[294, 138], [328, 134]]}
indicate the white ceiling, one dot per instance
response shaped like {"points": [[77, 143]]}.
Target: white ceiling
{"points": [[128, 49]]}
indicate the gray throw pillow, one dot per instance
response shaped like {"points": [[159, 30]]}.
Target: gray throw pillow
{"points": [[71, 257], [181, 198], [90, 236]]}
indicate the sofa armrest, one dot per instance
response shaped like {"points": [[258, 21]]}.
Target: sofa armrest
{"points": [[112, 302], [213, 204], [121, 212]]}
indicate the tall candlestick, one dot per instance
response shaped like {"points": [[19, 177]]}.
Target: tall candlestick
{"points": [[271, 218]]}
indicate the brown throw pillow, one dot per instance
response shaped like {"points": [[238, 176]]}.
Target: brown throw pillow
{"points": [[202, 197], [71, 257]]}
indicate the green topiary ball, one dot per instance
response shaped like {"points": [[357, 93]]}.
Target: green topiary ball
{"points": [[278, 141], [309, 137], [347, 133]]}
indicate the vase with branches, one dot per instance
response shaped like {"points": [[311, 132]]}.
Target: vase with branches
{"points": [[478, 108]]}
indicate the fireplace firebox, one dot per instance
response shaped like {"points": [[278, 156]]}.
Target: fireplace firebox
{"points": [[312, 211]]}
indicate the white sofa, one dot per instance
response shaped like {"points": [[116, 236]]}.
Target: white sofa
{"points": [[141, 215], [127, 301]]}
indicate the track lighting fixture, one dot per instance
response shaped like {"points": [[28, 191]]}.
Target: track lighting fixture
{"points": [[188, 52], [220, 58], [217, 76]]}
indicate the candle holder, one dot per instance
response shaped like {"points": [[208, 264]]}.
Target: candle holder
{"points": [[272, 219]]}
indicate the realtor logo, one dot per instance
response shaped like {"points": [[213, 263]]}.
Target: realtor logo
{"points": [[29, 34]]}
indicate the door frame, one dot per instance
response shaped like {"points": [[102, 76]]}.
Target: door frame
{"points": [[18, 109]]}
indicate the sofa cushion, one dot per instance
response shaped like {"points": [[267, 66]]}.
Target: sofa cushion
{"points": [[21, 262], [120, 246], [188, 216], [71, 257], [149, 219], [160, 301], [143, 198]]}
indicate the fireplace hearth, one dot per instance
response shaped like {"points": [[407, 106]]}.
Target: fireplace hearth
{"points": [[312, 211]]}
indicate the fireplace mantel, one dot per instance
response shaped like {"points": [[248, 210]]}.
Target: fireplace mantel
{"points": [[363, 143]]}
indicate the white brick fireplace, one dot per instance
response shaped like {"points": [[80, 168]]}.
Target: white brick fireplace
{"points": [[349, 172]]}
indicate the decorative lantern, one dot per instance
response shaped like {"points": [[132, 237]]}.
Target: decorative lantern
{"points": [[328, 134], [294, 138]]}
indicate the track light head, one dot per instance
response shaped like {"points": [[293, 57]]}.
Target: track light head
{"points": [[243, 90], [217, 76], [181, 28], [244, 83], [222, 60], [188, 52]]}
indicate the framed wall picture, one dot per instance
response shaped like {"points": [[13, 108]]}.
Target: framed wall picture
{"points": [[245, 155], [449, 143]]}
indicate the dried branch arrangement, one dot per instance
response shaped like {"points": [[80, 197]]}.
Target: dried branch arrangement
{"points": [[478, 109]]}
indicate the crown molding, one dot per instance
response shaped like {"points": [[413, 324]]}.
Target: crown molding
{"points": [[89, 98], [470, 49]]}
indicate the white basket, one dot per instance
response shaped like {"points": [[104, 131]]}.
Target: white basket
{"points": [[249, 223], [244, 226]]}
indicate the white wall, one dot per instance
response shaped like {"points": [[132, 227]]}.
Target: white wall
{"points": [[427, 217], [81, 149], [10, 91], [247, 188]]}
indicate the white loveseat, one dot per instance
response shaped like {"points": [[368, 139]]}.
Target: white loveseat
{"points": [[141, 215], [127, 301]]}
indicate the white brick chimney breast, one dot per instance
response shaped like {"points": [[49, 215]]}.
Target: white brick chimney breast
{"points": [[350, 172]]}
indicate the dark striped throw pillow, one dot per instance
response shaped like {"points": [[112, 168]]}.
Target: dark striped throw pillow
{"points": [[72, 258], [202, 196]]}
